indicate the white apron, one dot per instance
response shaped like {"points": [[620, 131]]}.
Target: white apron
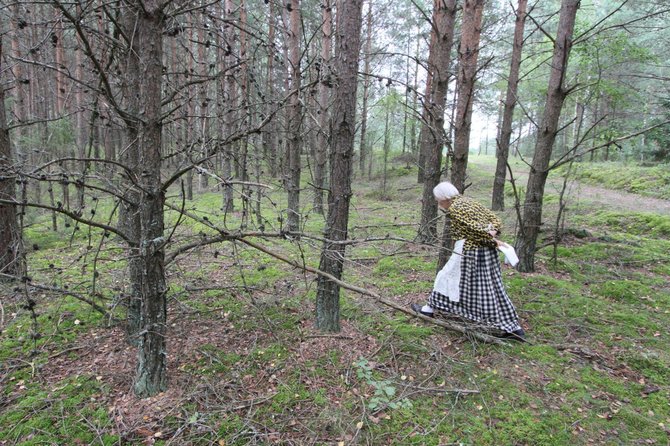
{"points": [[448, 280]]}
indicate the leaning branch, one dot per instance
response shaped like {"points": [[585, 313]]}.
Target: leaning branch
{"points": [[614, 141], [448, 325], [65, 292], [73, 215], [242, 238]]}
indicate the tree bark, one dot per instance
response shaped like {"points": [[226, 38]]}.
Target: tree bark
{"points": [[343, 132], [424, 130], [295, 118], [21, 90], [502, 150], [143, 22], [432, 143], [363, 146], [189, 122], [415, 100], [386, 149], [10, 236], [231, 101], [468, 54], [270, 140], [60, 87], [556, 94], [321, 149], [202, 104], [244, 97]]}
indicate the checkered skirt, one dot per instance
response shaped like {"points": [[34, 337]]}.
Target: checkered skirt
{"points": [[483, 296]]}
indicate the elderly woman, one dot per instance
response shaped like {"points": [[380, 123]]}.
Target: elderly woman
{"points": [[475, 289]]}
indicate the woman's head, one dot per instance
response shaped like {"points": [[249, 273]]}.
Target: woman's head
{"points": [[444, 193]]}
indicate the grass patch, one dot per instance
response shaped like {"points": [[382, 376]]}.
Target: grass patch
{"points": [[66, 413], [248, 367]]}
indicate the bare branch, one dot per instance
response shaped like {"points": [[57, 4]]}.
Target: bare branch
{"points": [[614, 141], [73, 215]]}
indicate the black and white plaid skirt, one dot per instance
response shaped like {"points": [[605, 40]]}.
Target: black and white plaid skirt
{"points": [[483, 298]]}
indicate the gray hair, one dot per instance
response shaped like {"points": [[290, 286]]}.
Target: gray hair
{"points": [[445, 191]]}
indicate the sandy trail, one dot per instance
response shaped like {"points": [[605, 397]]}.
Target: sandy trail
{"points": [[596, 196], [619, 200]]}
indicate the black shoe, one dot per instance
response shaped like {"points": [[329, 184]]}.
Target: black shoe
{"points": [[516, 335], [417, 309]]}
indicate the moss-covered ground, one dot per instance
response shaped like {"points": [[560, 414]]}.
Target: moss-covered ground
{"points": [[247, 367]]}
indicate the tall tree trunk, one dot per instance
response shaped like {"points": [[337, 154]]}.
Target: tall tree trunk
{"points": [[202, 104], [406, 111], [295, 118], [244, 95], [321, 149], [80, 117], [246, 114], [21, 91], [468, 54], [363, 146], [10, 237], [151, 377], [425, 118], [532, 217], [579, 122], [144, 223], [415, 100], [502, 149], [385, 152], [433, 135], [189, 122], [270, 140], [57, 40], [348, 37], [231, 96]]}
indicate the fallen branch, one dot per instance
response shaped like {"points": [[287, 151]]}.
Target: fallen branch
{"points": [[328, 336], [448, 325], [67, 350], [443, 390], [253, 402]]}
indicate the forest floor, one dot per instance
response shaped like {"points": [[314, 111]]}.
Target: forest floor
{"points": [[247, 367]]}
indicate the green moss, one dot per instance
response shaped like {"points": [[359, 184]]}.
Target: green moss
{"points": [[652, 366], [634, 223], [607, 292], [215, 361], [288, 396], [622, 290], [403, 275], [234, 431], [515, 425], [543, 353], [66, 412]]}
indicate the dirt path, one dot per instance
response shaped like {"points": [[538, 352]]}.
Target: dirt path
{"points": [[594, 195], [618, 200]]}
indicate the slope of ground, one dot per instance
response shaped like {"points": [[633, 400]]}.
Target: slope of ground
{"points": [[246, 366]]}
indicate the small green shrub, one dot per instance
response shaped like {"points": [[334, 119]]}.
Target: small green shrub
{"points": [[385, 391]]}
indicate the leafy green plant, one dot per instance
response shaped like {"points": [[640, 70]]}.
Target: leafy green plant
{"points": [[385, 391]]}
